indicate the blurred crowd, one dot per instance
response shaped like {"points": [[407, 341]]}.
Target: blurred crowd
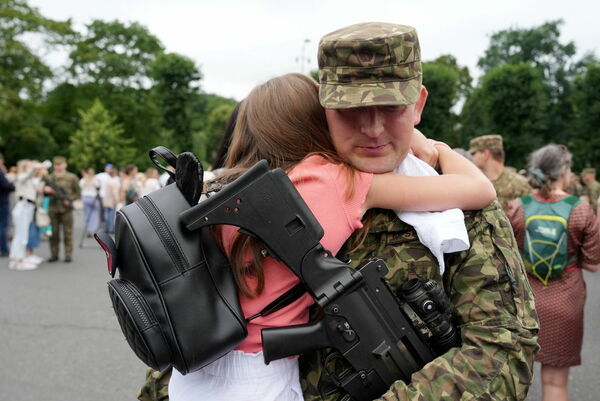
{"points": [[37, 201]]}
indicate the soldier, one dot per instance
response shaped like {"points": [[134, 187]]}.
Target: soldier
{"points": [[372, 72], [488, 155], [591, 187], [63, 188], [575, 188]]}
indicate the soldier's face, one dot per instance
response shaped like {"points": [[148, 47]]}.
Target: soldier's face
{"points": [[374, 139], [479, 158]]}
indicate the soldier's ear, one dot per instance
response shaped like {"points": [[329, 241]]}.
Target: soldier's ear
{"points": [[420, 105]]}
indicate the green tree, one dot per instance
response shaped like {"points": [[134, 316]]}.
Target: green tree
{"points": [[539, 46], [438, 120], [512, 101], [99, 140], [115, 53], [585, 142], [21, 69], [176, 81], [22, 76], [207, 140]]}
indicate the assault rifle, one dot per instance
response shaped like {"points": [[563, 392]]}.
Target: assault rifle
{"points": [[363, 319], [59, 192]]}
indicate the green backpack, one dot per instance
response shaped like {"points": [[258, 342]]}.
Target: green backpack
{"points": [[545, 249]]}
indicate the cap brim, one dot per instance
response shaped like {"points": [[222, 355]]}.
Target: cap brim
{"points": [[345, 96]]}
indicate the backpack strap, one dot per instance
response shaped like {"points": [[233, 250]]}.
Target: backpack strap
{"points": [[282, 301], [527, 199], [571, 200]]}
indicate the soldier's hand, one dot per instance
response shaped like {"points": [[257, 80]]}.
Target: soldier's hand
{"points": [[49, 191], [423, 148]]}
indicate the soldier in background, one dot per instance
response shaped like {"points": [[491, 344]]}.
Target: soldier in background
{"points": [[63, 188], [488, 154], [591, 187], [575, 188]]}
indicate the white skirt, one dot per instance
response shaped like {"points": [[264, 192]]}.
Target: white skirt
{"points": [[239, 376]]}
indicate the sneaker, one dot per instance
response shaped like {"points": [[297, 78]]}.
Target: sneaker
{"points": [[53, 259], [68, 259], [25, 265], [34, 259], [12, 264]]}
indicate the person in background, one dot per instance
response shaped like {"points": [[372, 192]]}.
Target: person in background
{"points": [[560, 303], [110, 200], [130, 186], [150, 183], [488, 154], [63, 188], [575, 188], [90, 195], [22, 214], [591, 187], [6, 187], [33, 241]]}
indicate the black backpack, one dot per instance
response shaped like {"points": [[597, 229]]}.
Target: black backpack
{"points": [[175, 299]]}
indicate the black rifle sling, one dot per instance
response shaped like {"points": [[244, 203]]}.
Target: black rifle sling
{"points": [[281, 302]]}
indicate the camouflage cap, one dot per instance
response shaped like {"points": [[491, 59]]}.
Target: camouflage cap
{"points": [[369, 64], [493, 142], [589, 170], [59, 159]]}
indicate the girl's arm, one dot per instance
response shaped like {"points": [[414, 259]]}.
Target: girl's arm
{"points": [[462, 185]]}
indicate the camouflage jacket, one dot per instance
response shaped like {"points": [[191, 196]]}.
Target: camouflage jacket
{"points": [[592, 191], [510, 186], [493, 303]]}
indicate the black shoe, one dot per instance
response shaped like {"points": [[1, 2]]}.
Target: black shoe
{"points": [[68, 259], [53, 259]]}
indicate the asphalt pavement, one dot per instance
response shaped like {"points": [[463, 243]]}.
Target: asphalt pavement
{"points": [[60, 341]]}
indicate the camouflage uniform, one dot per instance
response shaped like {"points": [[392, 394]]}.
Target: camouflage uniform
{"points": [[379, 64], [61, 215], [156, 387], [591, 189], [493, 303], [510, 186]]}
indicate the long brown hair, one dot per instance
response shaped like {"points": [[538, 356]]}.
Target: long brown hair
{"points": [[283, 122]]}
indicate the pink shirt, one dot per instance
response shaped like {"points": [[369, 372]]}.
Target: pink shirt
{"points": [[324, 188]]}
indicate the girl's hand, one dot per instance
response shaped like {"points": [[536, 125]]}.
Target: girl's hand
{"points": [[423, 148]]}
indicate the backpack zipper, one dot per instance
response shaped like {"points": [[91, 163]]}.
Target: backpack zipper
{"points": [[142, 310], [165, 233]]}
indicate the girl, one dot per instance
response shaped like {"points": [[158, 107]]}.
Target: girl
{"points": [[282, 121]]}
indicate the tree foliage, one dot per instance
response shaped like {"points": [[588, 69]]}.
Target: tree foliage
{"points": [[586, 117], [512, 101], [438, 120], [539, 46], [176, 81], [114, 53], [98, 140]]}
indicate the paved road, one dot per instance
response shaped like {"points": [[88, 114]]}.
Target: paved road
{"points": [[59, 339]]}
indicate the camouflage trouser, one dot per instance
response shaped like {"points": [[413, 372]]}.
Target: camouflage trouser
{"points": [[64, 220], [156, 387]]}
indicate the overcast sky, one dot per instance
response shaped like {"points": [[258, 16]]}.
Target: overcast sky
{"points": [[238, 44]]}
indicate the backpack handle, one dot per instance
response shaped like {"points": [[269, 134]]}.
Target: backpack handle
{"points": [[167, 155]]}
